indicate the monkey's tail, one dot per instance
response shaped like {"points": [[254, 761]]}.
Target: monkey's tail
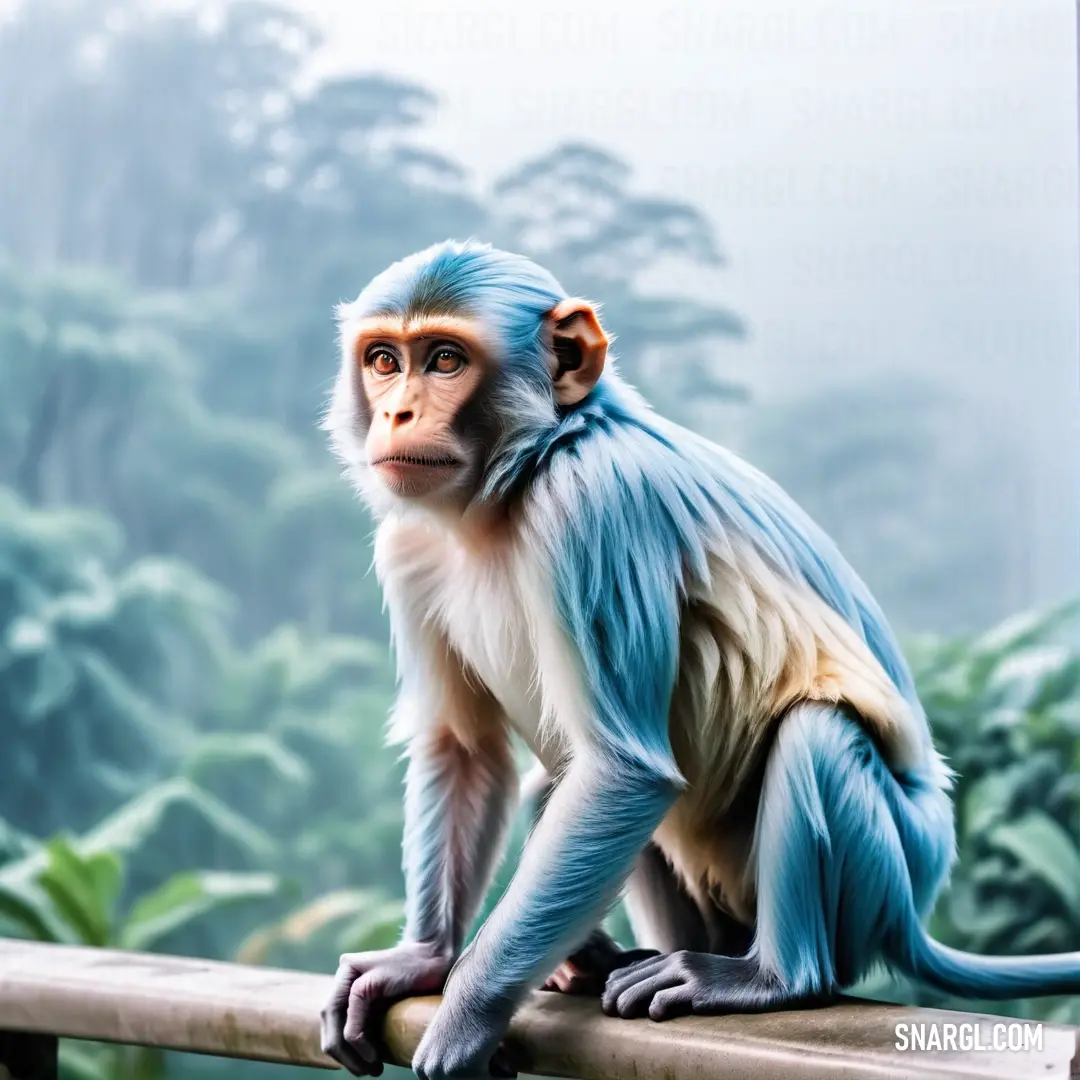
{"points": [[993, 978]]}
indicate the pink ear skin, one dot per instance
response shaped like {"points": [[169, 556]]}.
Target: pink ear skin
{"points": [[580, 346]]}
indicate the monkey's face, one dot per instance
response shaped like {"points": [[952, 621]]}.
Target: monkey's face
{"points": [[423, 402], [417, 385]]}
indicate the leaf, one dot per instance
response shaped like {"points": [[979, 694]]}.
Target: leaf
{"points": [[999, 720], [187, 896], [82, 888], [1027, 678], [1021, 632], [1064, 717], [982, 920], [26, 909], [133, 824], [1046, 935], [992, 920], [1043, 847], [992, 797], [77, 1064], [1058, 686]]}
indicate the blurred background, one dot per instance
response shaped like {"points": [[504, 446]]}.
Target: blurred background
{"points": [[839, 238]]}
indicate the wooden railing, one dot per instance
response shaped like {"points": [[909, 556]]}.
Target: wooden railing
{"points": [[264, 1014]]}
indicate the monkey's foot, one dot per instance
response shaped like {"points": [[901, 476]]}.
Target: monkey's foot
{"points": [[688, 982], [587, 970]]}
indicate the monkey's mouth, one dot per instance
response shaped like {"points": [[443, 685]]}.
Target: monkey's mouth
{"points": [[417, 461]]}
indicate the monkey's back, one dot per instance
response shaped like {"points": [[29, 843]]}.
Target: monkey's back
{"points": [[779, 617]]}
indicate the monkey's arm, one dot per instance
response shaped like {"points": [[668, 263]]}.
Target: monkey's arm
{"points": [[460, 788], [460, 785], [586, 969], [598, 818], [458, 801]]}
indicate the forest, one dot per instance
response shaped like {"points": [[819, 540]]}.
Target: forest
{"points": [[194, 663]]}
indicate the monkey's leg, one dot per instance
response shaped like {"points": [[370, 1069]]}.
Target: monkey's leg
{"points": [[837, 844], [663, 916], [457, 805]]}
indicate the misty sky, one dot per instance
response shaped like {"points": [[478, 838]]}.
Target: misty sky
{"points": [[894, 184]]}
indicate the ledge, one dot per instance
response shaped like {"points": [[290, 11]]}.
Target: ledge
{"points": [[267, 1014]]}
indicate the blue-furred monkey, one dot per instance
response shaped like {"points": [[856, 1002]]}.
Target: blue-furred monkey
{"points": [[732, 733]]}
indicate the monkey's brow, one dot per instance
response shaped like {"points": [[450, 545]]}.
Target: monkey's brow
{"points": [[426, 333]]}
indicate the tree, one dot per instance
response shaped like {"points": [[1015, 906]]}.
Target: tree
{"points": [[92, 89]]}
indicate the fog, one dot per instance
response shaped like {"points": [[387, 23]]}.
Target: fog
{"points": [[895, 187]]}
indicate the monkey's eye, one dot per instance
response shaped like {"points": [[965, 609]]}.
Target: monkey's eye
{"points": [[382, 362], [446, 360]]}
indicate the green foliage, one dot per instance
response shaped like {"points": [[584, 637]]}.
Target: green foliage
{"points": [[92, 890], [296, 742], [103, 407], [71, 889], [185, 896]]}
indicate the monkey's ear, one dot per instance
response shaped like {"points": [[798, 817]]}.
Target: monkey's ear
{"points": [[580, 346]]}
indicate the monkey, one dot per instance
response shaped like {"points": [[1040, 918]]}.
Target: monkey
{"points": [[729, 733]]}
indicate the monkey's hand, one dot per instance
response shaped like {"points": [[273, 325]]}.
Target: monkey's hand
{"points": [[462, 1040], [361, 982], [586, 971]]}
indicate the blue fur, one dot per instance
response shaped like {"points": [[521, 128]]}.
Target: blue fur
{"points": [[834, 823], [579, 876]]}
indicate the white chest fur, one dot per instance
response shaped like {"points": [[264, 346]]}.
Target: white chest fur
{"points": [[476, 601], [485, 620]]}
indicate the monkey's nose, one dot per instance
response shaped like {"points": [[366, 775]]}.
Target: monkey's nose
{"points": [[399, 418]]}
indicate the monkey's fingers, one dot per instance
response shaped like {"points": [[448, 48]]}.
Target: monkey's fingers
{"points": [[332, 1037], [672, 1002], [636, 1000], [362, 994], [622, 981]]}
